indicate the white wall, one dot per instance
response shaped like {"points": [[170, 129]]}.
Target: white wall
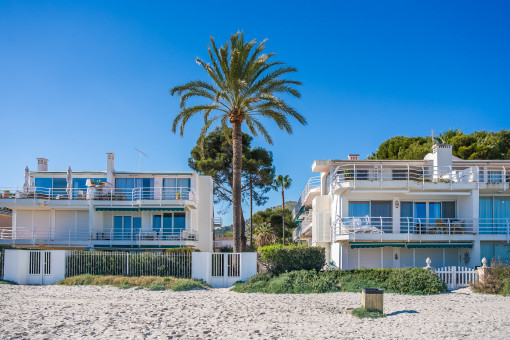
{"points": [[17, 262], [204, 214]]}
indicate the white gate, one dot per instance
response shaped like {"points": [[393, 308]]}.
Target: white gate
{"points": [[456, 277], [39, 267], [225, 269]]}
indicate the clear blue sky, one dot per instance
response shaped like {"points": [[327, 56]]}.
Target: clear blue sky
{"points": [[82, 78]]}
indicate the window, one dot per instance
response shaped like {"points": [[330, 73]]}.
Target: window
{"points": [[135, 188], [381, 213], [448, 210], [494, 177], [156, 223], [362, 175], [399, 174], [359, 209], [494, 211], [176, 188]]}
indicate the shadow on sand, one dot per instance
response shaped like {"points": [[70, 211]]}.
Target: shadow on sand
{"points": [[402, 312]]}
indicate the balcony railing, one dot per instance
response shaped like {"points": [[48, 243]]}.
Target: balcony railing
{"points": [[312, 183], [100, 193], [404, 175], [421, 226], [39, 235]]}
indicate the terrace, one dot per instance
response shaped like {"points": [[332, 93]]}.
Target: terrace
{"points": [[312, 189], [420, 229], [409, 176]]}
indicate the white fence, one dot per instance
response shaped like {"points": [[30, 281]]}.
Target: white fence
{"points": [[456, 277], [50, 266], [2, 255]]}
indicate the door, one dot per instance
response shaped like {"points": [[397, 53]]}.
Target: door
{"points": [[39, 267], [225, 269]]}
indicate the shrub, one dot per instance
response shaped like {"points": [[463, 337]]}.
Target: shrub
{"points": [[414, 281], [403, 281], [497, 281], [150, 282], [279, 259]]}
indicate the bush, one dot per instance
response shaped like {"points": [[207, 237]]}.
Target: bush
{"points": [[279, 259], [154, 283], [496, 282], [403, 281]]}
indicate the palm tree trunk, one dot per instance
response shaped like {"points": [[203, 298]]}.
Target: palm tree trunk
{"points": [[283, 216], [251, 214], [237, 148]]}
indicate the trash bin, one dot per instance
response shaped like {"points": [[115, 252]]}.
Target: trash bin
{"points": [[372, 299]]}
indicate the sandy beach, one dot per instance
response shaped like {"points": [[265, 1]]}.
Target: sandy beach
{"points": [[107, 312]]}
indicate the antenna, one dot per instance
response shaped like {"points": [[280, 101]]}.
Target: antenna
{"points": [[140, 162], [432, 133]]}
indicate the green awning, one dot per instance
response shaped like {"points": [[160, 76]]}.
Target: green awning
{"points": [[355, 245], [116, 209], [440, 245], [161, 209]]}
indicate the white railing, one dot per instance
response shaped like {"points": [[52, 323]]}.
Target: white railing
{"points": [[217, 221], [40, 235], [406, 174], [421, 226], [306, 224], [176, 264], [296, 234], [100, 193], [2, 261], [314, 182], [456, 277]]}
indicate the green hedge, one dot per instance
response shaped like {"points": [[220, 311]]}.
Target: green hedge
{"points": [[403, 281], [279, 259]]}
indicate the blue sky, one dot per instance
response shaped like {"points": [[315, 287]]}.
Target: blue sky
{"points": [[79, 79]]}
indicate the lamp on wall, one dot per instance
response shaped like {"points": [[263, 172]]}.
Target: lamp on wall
{"points": [[396, 256], [397, 204]]}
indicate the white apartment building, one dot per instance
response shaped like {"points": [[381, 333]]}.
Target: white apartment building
{"points": [[109, 209], [396, 213]]}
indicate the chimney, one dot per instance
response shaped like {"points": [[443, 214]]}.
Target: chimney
{"points": [[109, 167], [42, 164], [353, 157], [442, 155]]}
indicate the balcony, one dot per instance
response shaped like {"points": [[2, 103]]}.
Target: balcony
{"points": [[312, 189], [35, 195], [409, 177], [420, 229], [101, 237]]}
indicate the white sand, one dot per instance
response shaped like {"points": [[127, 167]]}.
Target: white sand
{"points": [[107, 312]]}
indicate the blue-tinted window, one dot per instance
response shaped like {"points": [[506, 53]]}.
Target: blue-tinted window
{"points": [[156, 223], [137, 225], [420, 211], [495, 177], [117, 227], [179, 223], [359, 209]]}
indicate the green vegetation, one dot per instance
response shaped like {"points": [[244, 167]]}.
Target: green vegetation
{"points": [[496, 282], [282, 182], [279, 259], [244, 85], [274, 218], [415, 281], [361, 312], [477, 145], [2, 282], [148, 282]]}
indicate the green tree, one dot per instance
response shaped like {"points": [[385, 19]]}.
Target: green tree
{"points": [[213, 157], [282, 183], [246, 85], [273, 216], [265, 234]]}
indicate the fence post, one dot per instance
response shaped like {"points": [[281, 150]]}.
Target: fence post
{"points": [[454, 277], [127, 263]]}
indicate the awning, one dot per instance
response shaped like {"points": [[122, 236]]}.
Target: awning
{"points": [[116, 209], [138, 209], [355, 245], [440, 245]]}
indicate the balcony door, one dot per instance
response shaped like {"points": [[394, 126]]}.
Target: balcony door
{"points": [[381, 214]]}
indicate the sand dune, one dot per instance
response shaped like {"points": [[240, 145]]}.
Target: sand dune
{"points": [[107, 312]]}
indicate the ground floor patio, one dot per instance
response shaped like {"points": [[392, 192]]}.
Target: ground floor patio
{"points": [[106, 312]]}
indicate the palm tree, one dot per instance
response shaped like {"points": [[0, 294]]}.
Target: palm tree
{"points": [[245, 85], [282, 182], [264, 233]]}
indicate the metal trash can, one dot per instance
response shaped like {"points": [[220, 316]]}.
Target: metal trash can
{"points": [[372, 299]]}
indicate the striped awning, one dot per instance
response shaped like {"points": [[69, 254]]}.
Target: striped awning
{"points": [[116, 209]]}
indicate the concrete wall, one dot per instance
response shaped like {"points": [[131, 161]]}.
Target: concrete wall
{"points": [[203, 216], [17, 264], [202, 269]]}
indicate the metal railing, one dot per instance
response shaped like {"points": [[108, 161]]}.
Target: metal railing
{"points": [[422, 226], [44, 235], [306, 224], [100, 193], [314, 182], [176, 264], [407, 173]]}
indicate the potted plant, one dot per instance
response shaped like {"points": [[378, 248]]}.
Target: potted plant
{"points": [[178, 195], [92, 183]]}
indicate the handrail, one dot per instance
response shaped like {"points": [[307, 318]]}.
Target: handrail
{"points": [[99, 193], [312, 183]]}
